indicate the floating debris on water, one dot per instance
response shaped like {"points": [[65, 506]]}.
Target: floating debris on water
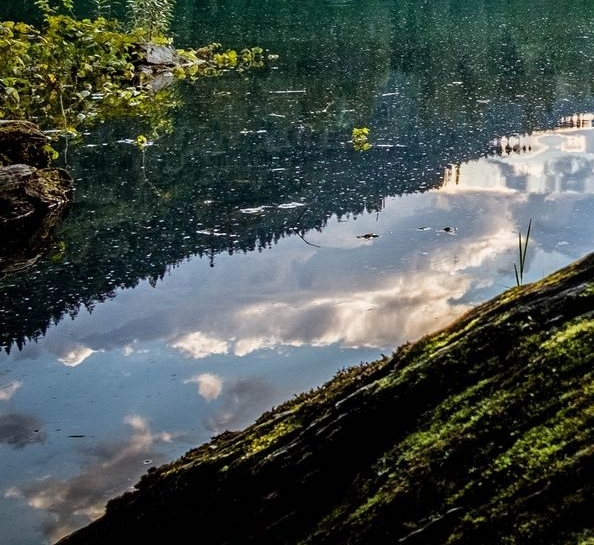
{"points": [[212, 232], [450, 230], [256, 210], [290, 205], [288, 92]]}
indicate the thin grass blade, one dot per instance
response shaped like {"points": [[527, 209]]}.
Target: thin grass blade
{"points": [[526, 242]]}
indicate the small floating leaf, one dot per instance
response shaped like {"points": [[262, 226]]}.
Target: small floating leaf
{"points": [[360, 139], [141, 141]]}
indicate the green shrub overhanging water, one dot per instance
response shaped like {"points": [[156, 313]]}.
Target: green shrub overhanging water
{"points": [[72, 72]]}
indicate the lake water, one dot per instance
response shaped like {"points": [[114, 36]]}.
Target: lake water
{"points": [[258, 253]]}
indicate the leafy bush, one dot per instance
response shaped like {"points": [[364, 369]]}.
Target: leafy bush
{"points": [[74, 71], [151, 16]]}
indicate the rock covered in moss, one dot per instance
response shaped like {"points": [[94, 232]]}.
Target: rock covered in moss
{"points": [[482, 433], [27, 183], [34, 197], [26, 191], [21, 142]]}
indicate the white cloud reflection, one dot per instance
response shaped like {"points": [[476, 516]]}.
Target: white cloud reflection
{"points": [[242, 402], [199, 345], [399, 305], [75, 356], [209, 385], [547, 162], [76, 501], [8, 390], [345, 292]]}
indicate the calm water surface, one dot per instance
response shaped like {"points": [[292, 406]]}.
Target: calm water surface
{"points": [[233, 272]]}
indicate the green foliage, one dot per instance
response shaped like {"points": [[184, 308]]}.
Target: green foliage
{"points": [[152, 17], [102, 8], [46, 7], [142, 142], [72, 71], [75, 72], [268, 438]]}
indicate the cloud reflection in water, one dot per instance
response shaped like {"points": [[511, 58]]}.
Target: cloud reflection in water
{"points": [[73, 502]]}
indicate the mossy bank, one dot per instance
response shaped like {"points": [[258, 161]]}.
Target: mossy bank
{"points": [[482, 433]]}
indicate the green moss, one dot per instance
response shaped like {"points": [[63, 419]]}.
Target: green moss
{"points": [[567, 337], [263, 441], [479, 410], [583, 538]]}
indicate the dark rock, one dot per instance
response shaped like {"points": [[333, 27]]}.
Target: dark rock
{"points": [[23, 142], [34, 198], [26, 191]]}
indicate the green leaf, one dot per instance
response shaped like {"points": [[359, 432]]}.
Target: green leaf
{"points": [[13, 94]]}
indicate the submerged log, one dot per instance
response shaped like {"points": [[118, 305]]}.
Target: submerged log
{"points": [[480, 433]]}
